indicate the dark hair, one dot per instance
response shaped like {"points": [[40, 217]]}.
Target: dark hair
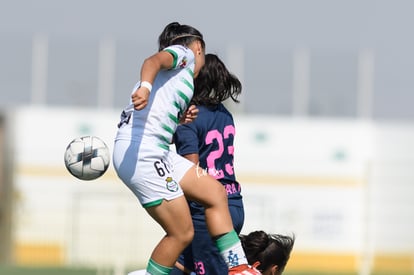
{"points": [[268, 249], [215, 83], [177, 34]]}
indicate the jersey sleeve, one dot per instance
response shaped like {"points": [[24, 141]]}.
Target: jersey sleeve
{"points": [[186, 139], [183, 56]]}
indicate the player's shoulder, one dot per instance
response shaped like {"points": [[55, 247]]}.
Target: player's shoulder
{"points": [[179, 50], [205, 114], [223, 108], [224, 113]]}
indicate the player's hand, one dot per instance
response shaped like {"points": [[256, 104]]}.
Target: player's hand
{"points": [[140, 98], [189, 115]]}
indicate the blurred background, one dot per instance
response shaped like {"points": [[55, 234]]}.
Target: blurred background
{"points": [[325, 133]]}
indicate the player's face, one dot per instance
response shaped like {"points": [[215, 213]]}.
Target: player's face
{"points": [[199, 53]]}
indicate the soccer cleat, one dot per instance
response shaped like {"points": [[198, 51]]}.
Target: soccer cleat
{"points": [[244, 269]]}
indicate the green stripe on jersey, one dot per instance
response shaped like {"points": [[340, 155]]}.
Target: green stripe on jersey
{"points": [[173, 118], [177, 105], [175, 57], [167, 128], [188, 83], [164, 139], [184, 97], [190, 72], [163, 146]]}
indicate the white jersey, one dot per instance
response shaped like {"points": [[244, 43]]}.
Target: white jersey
{"points": [[171, 93], [141, 156]]}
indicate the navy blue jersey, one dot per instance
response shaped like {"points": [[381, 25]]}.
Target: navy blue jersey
{"points": [[211, 136]]}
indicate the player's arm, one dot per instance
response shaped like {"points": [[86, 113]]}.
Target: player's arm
{"points": [[186, 142], [152, 65], [192, 157]]}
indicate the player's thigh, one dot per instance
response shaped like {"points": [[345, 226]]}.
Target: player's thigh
{"points": [[173, 216], [202, 188]]}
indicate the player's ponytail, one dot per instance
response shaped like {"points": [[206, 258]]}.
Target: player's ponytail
{"points": [[267, 249]]}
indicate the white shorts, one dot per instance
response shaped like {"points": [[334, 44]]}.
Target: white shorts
{"points": [[151, 173]]}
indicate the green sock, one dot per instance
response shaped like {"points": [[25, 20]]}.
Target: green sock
{"points": [[154, 268], [231, 249]]}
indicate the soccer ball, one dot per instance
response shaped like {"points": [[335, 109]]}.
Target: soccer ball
{"points": [[87, 158]]}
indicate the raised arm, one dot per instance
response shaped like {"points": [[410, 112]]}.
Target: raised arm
{"points": [[152, 65]]}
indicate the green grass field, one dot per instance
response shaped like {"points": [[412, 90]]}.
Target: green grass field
{"points": [[14, 270]]}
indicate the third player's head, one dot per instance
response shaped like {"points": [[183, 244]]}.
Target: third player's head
{"points": [[185, 35], [268, 252]]}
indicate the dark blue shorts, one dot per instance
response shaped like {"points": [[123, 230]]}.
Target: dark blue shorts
{"points": [[202, 255]]}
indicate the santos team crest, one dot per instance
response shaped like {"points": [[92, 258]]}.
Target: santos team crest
{"points": [[171, 185]]}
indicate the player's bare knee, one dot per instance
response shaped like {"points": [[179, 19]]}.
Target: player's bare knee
{"points": [[221, 194], [182, 236], [187, 236]]}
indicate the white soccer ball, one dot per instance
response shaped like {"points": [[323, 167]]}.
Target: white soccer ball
{"points": [[87, 158]]}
